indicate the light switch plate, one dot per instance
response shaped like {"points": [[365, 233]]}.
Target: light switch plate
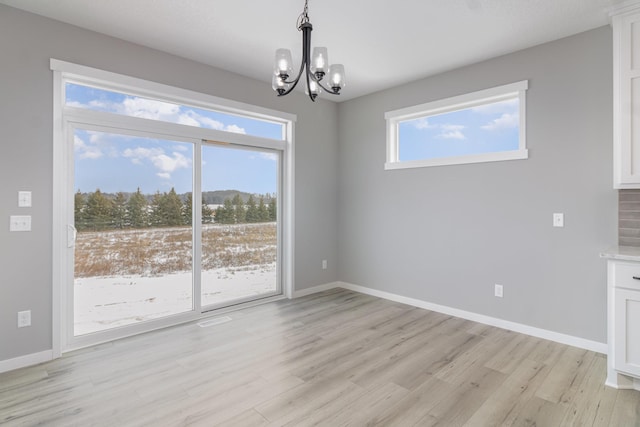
{"points": [[24, 199], [558, 220], [24, 318], [20, 223]]}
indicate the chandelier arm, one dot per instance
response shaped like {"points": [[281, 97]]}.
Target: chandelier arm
{"points": [[293, 82], [328, 90]]}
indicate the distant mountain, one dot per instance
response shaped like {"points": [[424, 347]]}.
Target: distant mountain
{"points": [[218, 197]]}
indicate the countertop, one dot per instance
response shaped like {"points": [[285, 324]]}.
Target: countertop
{"points": [[626, 253]]}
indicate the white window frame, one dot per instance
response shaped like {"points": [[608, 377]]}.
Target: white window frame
{"points": [[457, 103], [66, 118]]}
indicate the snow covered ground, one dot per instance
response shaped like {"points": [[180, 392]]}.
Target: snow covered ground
{"points": [[106, 302]]}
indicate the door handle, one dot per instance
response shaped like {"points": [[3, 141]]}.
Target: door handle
{"points": [[72, 233]]}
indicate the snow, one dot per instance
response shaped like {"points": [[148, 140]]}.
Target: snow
{"points": [[106, 302]]}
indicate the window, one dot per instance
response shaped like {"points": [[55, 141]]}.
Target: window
{"points": [[84, 96], [168, 204], [483, 126]]}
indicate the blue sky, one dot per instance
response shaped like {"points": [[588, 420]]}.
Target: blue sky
{"points": [[113, 162], [487, 128]]}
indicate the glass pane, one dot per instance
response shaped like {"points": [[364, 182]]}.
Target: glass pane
{"points": [[135, 106], [487, 128], [133, 254], [239, 232]]}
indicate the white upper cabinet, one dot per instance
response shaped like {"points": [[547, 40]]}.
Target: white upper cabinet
{"points": [[626, 96]]}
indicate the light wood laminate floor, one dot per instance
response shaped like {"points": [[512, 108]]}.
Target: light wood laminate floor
{"points": [[336, 358]]}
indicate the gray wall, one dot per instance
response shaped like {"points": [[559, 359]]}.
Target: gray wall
{"points": [[443, 235], [26, 43], [447, 234]]}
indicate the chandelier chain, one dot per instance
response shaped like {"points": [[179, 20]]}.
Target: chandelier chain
{"points": [[304, 16]]}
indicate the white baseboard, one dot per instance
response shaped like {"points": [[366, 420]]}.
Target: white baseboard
{"points": [[622, 381], [480, 318], [316, 289], [26, 360]]}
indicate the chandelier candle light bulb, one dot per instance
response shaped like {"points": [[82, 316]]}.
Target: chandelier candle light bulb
{"points": [[314, 67]]}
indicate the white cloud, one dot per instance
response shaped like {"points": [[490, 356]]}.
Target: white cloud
{"points": [[76, 104], [86, 151], [422, 123], [134, 106], [505, 121], [454, 134], [207, 122], [269, 156], [170, 163], [235, 129], [192, 118], [451, 132], [140, 153], [98, 144], [149, 108], [185, 119], [165, 164]]}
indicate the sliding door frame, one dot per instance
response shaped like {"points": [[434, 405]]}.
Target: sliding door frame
{"points": [[67, 118]]}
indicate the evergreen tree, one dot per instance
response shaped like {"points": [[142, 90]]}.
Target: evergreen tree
{"points": [[98, 211], [263, 212], [171, 209], [252, 210], [207, 213], [239, 210], [156, 218], [137, 214], [273, 209], [218, 215], [225, 213], [79, 207], [187, 210], [119, 211]]}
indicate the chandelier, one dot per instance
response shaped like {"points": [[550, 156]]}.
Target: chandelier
{"points": [[314, 67]]}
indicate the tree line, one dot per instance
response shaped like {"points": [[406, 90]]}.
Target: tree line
{"points": [[235, 211], [100, 211]]}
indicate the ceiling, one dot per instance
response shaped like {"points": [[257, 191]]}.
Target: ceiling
{"points": [[381, 43]]}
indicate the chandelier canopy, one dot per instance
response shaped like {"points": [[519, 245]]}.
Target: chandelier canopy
{"points": [[314, 67]]}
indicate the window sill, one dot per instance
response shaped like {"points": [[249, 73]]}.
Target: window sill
{"points": [[446, 161]]}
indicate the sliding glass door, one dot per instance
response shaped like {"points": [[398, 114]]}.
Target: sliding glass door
{"points": [[239, 228], [134, 244], [168, 205], [133, 207]]}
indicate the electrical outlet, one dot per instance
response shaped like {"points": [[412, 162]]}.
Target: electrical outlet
{"points": [[24, 318], [324, 264], [498, 291], [20, 223]]}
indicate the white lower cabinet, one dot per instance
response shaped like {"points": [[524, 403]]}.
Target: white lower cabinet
{"points": [[627, 331], [624, 324]]}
